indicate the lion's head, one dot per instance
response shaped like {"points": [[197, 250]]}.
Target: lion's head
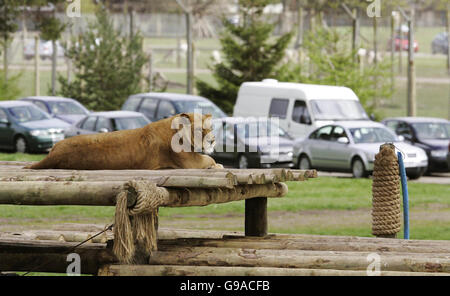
{"points": [[193, 133]]}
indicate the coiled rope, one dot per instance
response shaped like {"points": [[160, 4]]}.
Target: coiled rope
{"points": [[135, 227], [386, 208]]}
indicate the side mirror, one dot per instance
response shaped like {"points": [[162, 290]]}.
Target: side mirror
{"points": [[103, 130], [343, 140]]}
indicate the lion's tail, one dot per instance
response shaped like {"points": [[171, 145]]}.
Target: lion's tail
{"points": [[46, 163]]}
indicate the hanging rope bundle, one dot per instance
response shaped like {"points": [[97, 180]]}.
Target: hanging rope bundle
{"points": [[135, 227], [386, 209]]}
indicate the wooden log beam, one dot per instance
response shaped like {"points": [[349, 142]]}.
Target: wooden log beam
{"points": [[294, 259], [104, 193], [229, 239], [163, 181], [182, 270], [310, 245]]}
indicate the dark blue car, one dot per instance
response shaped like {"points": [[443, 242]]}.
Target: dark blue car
{"points": [[65, 109], [430, 134]]}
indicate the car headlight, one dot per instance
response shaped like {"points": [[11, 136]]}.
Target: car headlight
{"points": [[37, 133], [439, 153]]}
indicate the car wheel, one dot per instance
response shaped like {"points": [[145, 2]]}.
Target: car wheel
{"points": [[304, 163], [21, 145], [243, 162], [358, 168], [414, 174]]}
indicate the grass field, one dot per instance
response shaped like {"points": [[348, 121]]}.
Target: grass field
{"points": [[326, 205]]}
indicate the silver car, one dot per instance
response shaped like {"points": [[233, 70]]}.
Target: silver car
{"points": [[350, 146]]}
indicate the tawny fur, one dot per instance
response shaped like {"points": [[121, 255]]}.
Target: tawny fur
{"points": [[147, 148]]}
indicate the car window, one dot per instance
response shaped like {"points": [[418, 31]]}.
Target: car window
{"points": [[372, 135], [300, 113], [27, 113], [103, 122], [323, 133], [403, 129], [89, 123], [41, 106], [165, 109], [66, 108], [132, 104], [278, 108], [337, 133], [148, 107], [392, 124], [3, 115], [131, 122]]}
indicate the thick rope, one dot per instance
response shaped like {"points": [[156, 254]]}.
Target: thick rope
{"points": [[386, 209], [135, 228]]}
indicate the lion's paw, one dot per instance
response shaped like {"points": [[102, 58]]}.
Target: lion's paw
{"points": [[216, 166]]}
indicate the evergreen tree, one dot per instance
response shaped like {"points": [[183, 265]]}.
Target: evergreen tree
{"points": [[108, 66], [250, 54]]}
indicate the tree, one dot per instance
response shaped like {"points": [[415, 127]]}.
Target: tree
{"points": [[334, 64], [51, 29], [249, 55], [9, 9], [108, 66]]}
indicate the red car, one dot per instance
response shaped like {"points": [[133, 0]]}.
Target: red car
{"points": [[403, 43]]}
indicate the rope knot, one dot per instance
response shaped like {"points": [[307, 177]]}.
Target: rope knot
{"points": [[136, 221]]}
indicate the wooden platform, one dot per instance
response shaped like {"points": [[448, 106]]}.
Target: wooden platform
{"points": [[201, 253]]}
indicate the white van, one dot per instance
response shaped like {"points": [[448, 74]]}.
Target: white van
{"points": [[301, 108]]}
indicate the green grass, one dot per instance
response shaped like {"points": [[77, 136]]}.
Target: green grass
{"points": [[20, 157], [432, 100]]}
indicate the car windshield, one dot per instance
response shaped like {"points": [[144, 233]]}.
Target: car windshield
{"points": [[206, 107], [126, 123], [338, 109], [372, 135], [27, 113], [61, 108], [432, 130]]}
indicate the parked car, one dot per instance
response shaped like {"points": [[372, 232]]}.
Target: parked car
{"points": [[440, 43], [251, 143], [45, 49], [350, 146], [65, 109], [301, 108], [25, 128], [109, 121], [403, 44], [430, 134], [157, 106]]}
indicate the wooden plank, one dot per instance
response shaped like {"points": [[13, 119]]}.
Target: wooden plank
{"points": [[256, 216], [295, 259], [104, 193], [183, 270]]}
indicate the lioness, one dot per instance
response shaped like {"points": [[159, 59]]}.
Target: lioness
{"points": [[150, 147]]}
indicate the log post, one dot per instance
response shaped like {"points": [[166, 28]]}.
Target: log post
{"points": [[256, 216]]}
